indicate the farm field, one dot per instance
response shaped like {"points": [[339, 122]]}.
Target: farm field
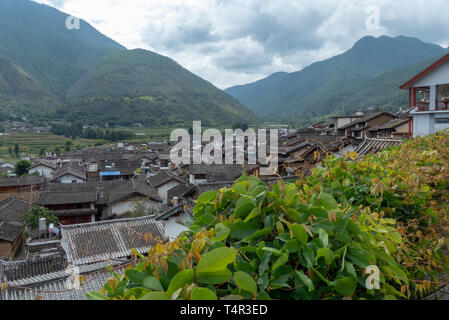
{"points": [[31, 143]]}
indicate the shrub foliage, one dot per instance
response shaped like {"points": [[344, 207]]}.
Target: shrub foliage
{"points": [[312, 238]]}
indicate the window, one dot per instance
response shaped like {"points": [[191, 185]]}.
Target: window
{"points": [[441, 120]]}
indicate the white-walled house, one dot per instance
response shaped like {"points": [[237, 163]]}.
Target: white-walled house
{"points": [[163, 182], [69, 174], [43, 168], [175, 221], [429, 99], [124, 198]]}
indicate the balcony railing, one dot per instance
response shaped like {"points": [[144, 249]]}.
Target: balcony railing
{"points": [[439, 105]]}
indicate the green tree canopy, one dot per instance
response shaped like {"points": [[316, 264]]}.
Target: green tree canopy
{"points": [[21, 167], [31, 217]]}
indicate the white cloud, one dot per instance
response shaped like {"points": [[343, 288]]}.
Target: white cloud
{"points": [[231, 42]]}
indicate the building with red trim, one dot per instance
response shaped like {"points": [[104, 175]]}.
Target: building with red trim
{"points": [[429, 99]]}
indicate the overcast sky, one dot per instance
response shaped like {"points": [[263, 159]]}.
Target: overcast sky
{"points": [[230, 42]]}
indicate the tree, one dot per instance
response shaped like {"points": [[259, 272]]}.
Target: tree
{"points": [[238, 125], [68, 145], [31, 217], [21, 167], [42, 152], [16, 150], [10, 150], [57, 150]]}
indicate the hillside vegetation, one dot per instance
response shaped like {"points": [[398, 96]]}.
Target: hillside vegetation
{"points": [[48, 72], [141, 86], [310, 239], [316, 90]]}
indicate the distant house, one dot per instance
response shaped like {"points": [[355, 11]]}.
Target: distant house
{"points": [[396, 128], [361, 127], [202, 173], [70, 174], [338, 122], [163, 182], [123, 198], [429, 98], [43, 168], [70, 207], [10, 185]]}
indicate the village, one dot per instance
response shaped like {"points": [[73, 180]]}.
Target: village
{"points": [[107, 200]]}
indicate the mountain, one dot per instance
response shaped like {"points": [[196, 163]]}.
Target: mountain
{"points": [[142, 86], [34, 36], [283, 95], [48, 72]]}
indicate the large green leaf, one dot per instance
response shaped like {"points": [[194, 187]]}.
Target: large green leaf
{"points": [[305, 280], [203, 294], [300, 233], [180, 279], [135, 276], [216, 260], [152, 283], [207, 196], [215, 277], [245, 282], [327, 201], [327, 253], [345, 286], [280, 262], [156, 295], [241, 230]]}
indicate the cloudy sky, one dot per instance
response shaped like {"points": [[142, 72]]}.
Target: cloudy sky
{"points": [[230, 42]]}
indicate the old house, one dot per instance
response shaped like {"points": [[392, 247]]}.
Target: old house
{"points": [[70, 174], [70, 207], [122, 199], [88, 249], [43, 168], [163, 182], [26, 188], [429, 98], [360, 128], [396, 128], [11, 214]]}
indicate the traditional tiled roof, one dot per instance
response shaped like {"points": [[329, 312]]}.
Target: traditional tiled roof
{"points": [[12, 210], [10, 231], [20, 182], [100, 241], [364, 119], [218, 172], [162, 178], [44, 163], [70, 170], [54, 198], [17, 271], [390, 124], [375, 145], [179, 191], [53, 286], [129, 188]]}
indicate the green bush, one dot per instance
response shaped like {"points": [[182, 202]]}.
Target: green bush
{"points": [[309, 239], [31, 217]]}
